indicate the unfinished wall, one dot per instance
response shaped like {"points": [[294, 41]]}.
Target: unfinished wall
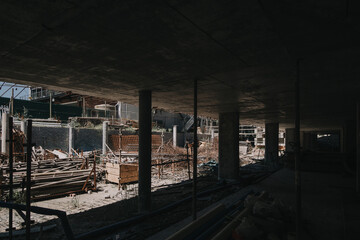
{"points": [[51, 137], [87, 139]]}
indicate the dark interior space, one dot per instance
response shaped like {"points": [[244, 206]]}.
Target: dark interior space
{"points": [[178, 119]]}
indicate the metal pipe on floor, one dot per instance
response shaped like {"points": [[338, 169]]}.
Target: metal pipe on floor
{"points": [[28, 177], [11, 169], [44, 211], [195, 152], [297, 152]]}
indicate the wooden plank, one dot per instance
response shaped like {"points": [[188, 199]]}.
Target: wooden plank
{"points": [[113, 171], [128, 180], [112, 165], [129, 174]]}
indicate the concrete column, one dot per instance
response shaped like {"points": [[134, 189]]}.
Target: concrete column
{"points": [[104, 137], [145, 123], [290, 140], [309, 141], [23, 126], [229, 146], [174, 135], [71, 139], [271, 143], [5, 133]]}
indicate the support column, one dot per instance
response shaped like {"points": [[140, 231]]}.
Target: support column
{"points": [[271, 143], [5, 133], [174, 136], [229, 146], [290, 140], [104, 137], [145, 151], [71, 139]]}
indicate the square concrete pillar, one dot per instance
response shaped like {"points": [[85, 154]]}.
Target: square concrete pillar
{"points": [[271, 143], [290, 140], [145, 126], [229, 162]]}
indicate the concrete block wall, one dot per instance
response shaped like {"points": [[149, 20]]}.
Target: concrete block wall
{"points": [[51, 137], [58, 138], [87, 139]]}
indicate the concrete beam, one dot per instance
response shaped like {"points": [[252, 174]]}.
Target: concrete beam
{"points": [[229, 146], [271, 143], [145, 125], [5, 133]]}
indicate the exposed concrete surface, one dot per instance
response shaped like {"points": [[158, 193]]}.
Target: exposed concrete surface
{"points": [[228, 201], [243, 52], [326, 215]]}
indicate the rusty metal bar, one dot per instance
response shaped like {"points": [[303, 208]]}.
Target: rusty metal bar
{"points": [[44, 211], [95, 172], [194, 215], [11, 169], [28, 178], [188, 160]]}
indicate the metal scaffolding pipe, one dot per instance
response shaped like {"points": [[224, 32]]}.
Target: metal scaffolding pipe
{"points": [[358, 148], [50, 105], [297, 152]]}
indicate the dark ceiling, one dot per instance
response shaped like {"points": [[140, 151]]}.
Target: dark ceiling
{"points": [[243, 53]]}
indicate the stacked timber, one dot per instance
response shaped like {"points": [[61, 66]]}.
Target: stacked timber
{"points": [[53, 177], [52, 184]]}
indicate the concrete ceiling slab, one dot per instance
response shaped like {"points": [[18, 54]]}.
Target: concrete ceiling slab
{"points": [[242, 52]]}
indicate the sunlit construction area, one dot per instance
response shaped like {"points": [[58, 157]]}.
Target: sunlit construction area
{"points": [[204, 120]]}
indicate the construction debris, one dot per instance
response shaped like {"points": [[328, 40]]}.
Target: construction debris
{"points": [[266, 218]]}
